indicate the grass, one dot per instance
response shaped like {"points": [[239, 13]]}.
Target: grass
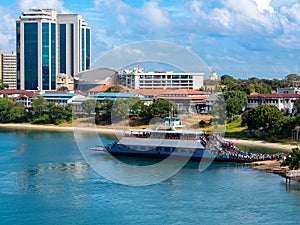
{"points": [[234, 128]]}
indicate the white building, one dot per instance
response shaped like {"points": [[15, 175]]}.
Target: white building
{"points": [[9, 70], [284, 102], [138, 78], [48, 44], [291, 90], [74, 44]]}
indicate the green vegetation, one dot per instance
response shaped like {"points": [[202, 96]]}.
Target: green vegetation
{"points": [[10, 111], [133, 109], [40, 113], [262, 86], [293, 160], [3, 85]]}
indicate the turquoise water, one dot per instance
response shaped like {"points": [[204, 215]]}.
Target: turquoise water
{"points": [[44, 180]]}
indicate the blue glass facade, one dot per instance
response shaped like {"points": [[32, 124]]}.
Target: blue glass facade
{"points": [[18, 49], [63, 48], [53, 56], [31, 56], [45, 56], [82, 49], [45, 48], [72, 47], [88, 49]]}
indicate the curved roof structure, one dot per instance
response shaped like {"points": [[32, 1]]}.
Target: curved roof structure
{"points": [[92, 78]]}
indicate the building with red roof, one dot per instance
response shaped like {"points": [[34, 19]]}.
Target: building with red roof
{"points": [[284, 102]]}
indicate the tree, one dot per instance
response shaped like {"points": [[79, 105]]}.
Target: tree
{"points": [[115, 88], [17, 113], [233, 107], [292, 77], [89, 106], [39, 106], [57, 115], [267, 118], [297, 105], [3, 85], [10, 111], [103, 112], [5, 106], [121, 109], [227, 80], [162, 108], [235, 101], [293, 160]]}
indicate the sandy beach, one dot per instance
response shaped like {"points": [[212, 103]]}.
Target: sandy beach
{"points": [[110, 130], [261, 144]]}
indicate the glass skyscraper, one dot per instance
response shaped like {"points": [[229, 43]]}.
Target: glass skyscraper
{"points": [[49, 44]]}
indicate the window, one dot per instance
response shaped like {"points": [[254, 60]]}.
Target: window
{"points": [[31, 55], [63, 48], [167, 149]]}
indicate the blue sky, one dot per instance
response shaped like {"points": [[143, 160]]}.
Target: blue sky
{"points": [[243, 38]]}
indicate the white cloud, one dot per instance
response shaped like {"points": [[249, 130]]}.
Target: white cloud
{"points": [[24, 5], [251, 15], [264, 5], [293, 11], [222, 16], [154, 16], [195, 7], [7, 31]]}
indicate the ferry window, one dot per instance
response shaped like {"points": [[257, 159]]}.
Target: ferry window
{"points": [[158, 149], [191, 150], [119, 146], [200, 152], [175, 150], [183, 150], [167, 149]]}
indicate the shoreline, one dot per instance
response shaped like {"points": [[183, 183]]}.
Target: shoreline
{"points": [[286, 148], [264, 144]]}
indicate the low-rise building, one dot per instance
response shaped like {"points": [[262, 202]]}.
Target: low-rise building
{"points": [[291, 90], [138, 78], [104, 97], [284, 102], [21, 96], [187, 101], [65, 82], [61, 99]]}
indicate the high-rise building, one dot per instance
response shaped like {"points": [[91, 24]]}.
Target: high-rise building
{"points": [[9, 70], [0, 64], [48, 44], [74, 44]]}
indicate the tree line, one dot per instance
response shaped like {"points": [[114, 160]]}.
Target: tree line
{"points": [[40, 113]]}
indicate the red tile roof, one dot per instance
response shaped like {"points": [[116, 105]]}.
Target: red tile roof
{"points": [[159, 92], [104, 87], [257, 95], [149, 92], [30, 94]]}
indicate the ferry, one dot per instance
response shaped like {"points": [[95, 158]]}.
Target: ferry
{"points": [[172, 137]]}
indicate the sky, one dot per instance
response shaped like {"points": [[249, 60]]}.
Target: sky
{"points": [[241, 38]]}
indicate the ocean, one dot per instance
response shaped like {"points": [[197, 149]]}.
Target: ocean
{"points": [[44, 179]]}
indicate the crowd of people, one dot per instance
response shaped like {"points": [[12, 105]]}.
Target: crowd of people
{"points": [[230, 151]]}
